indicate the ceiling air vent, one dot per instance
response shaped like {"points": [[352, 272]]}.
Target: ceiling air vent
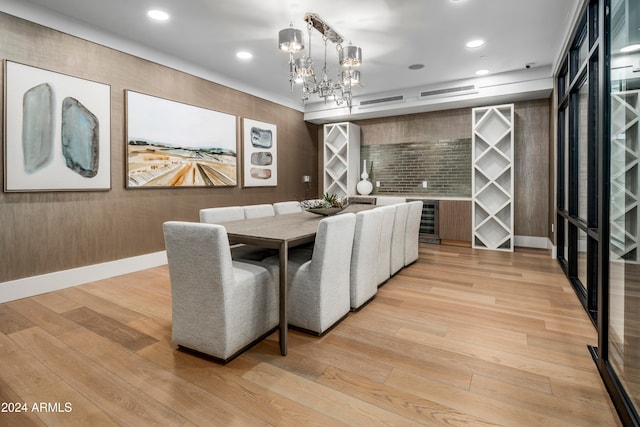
{"points": [[386, 100], [451, 91]]}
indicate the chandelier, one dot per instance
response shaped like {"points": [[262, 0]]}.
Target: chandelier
{"points": [[301, 70]]}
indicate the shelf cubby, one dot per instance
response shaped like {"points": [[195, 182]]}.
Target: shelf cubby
{"points": [[341, 158], [492, 177]]}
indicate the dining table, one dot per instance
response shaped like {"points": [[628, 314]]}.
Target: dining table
{"points": [[281, 232]]}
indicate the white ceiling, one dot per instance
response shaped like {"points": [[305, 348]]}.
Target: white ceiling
{"points": [[203, 36]]}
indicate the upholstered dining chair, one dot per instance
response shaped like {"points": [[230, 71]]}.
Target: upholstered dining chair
{"points": [[287, 207], [398, 237], [364, 257], [389, 200], [412, 238], [318, 280], [258, 211], [219, 307], [384, 249], [220, 215]]}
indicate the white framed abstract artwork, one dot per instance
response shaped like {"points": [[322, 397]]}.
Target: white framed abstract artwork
{"points": [[260, 153], [58, 131], [172, 144]]}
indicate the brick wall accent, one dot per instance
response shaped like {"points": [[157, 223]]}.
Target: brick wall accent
{"points": [[402, 167]]}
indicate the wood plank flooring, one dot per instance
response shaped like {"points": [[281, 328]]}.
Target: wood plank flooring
{"points": [[460, 338]]}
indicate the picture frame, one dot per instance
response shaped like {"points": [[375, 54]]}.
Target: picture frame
{"points": [[57, 131], [260, 153], [171, 144]]}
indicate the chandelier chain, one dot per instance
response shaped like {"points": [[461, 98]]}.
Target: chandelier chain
{"points": [[301, 67]]}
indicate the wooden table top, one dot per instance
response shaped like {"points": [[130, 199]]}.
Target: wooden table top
{"points": [[278, 228]]}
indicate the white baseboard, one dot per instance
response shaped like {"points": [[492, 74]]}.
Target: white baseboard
{"points": [[536, 242], [35, 285], [531, 242]]}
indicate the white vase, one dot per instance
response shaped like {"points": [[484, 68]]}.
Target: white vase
{"points": [[364, 186]]}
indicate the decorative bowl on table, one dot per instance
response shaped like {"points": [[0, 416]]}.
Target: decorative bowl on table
{"points": [[330, 204], [325, 211]]}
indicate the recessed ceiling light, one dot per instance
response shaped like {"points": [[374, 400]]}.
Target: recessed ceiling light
{"points": [[475, 43], [416, 66], [158, 15], [482, 72], [244, 55]]}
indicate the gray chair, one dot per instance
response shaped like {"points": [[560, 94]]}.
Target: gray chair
{"points": [[412, 229], [364, 257], [398, 237], [222, 214], [384, 249], [234, 213], [282, 208], [258, 211], [318, 289], [389, 200], [219, 307]]}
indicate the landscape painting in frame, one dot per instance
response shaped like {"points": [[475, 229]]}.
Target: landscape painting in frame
{"points": [[58, 131], [260, 151], [171, 144]]}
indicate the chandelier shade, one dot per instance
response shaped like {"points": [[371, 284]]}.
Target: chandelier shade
{"points": [[351, 78], [301, 71], [350, 56], [291, 40]]}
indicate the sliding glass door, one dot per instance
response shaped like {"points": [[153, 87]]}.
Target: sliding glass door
{"points": [[578, 158], [598, 187], [623, 293]]}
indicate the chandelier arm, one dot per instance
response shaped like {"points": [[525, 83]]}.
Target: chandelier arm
{"points": [[325, 70], [301, 68], [309, 27]]}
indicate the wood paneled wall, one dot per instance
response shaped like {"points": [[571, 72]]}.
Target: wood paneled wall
{"points": [[46, 232], [531, 169], [455, 220]]}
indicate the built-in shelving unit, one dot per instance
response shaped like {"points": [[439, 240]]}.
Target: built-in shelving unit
{"points": [[341, 158], [625, 185], [492, 177]]}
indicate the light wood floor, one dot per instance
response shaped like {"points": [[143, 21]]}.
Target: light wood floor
{"points": [[460, 338]]}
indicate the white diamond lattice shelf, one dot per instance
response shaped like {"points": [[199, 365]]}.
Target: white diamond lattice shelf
{"points": [[492, 177]]}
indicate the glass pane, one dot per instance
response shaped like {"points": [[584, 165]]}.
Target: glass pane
{"points": [[562, 239], [583, 149], [583, 52], [594, 162], [593, 23], [580, 49], [567, 190], [582, 258], [563, 83], [624, 264], [565, 245]]}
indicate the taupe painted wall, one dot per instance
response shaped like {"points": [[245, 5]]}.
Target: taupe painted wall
{"points": [[46, 232], [531, 169], [531, 144]]}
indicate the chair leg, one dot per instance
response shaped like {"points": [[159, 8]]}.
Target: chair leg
{"points": [[318, 334], [355, 310], [230, 358]]}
